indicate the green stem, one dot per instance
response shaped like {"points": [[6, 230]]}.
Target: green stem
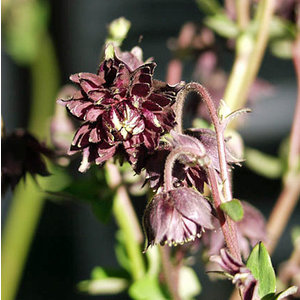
{"points": [[249, 53], [128, 223], [28, 201]]}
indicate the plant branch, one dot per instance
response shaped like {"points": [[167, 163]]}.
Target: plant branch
{"points": [[291, 189], [249, 53], [127, 221], [169, 272], [231, 239], [243, 13], [28, 200]]}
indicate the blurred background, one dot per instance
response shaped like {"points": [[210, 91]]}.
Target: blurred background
{"points": [[69, 240]]}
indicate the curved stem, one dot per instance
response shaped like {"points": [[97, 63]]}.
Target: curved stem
{"points": [[230, 234], [203, 93], [171, 159], [127, 221], [249, 53]]}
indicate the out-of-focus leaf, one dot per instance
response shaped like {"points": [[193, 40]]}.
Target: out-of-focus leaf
{"points": [[188, 285], [295, 235], [121, 253], [260, 265], [96, 193], [282, 48], [209, 7], [57, 181], [147, 288], [105, 281], [282, 295], [282, 28], [263, 164], [24, 25], [233, 209], [222, 25]]}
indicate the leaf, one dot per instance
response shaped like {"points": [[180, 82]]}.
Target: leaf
{"points": [[233, 209], [98, 194], [188, 285], [24, 28], [222, 25], [290, 291], [260, 265], [263, 164], [282, 48], [104, 281], [147, 288]]}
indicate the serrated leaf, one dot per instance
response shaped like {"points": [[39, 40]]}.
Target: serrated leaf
{"points": [[260, 265], [146, 288], [233, 209], [188, 285], [221, 24]]}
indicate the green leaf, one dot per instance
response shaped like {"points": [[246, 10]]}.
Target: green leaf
{"points": [[233, 209], [222, 25], [290, 291], [24, 28], [209, 7], [121, 253], [260, 265], [263, 164], [282, 48], [105, 281], [98, 194], [147, 288], [188, 285]]}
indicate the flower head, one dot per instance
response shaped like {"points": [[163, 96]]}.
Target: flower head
{"points": [[21, 153], [124, 109], [176, 217]]}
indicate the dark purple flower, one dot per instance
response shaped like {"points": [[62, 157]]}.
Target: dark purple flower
{"points": [[21, 153], [250, 230], [187, 171], [240, 275], [124, 109], [176, 217]]}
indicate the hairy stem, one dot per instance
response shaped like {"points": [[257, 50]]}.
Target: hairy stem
{"points": [[226, 190], [127, 221], [249, 53], [171, 159], [227, 225], [28, 201]]}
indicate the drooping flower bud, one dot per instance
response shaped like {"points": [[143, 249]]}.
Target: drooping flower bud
{"points": [[240, 275], [176, 217]]}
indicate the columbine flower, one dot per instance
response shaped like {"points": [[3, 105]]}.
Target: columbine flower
{"points": [[187, 171], [21, 153], [124, 109], [176, 217], [240, 275]]}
